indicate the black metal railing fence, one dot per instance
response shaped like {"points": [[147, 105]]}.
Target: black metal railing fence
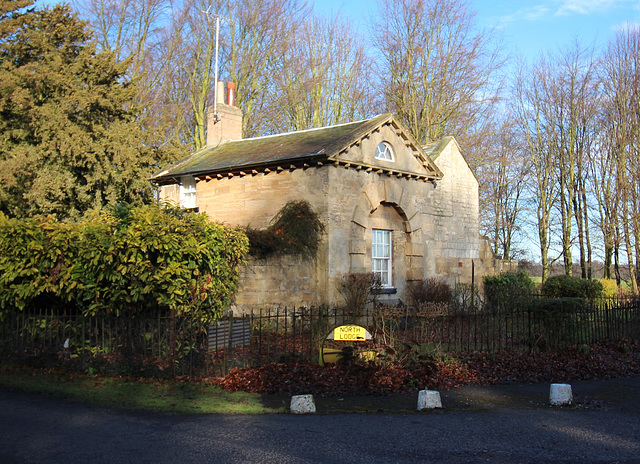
{"points": [[285, 333], [165, 346], [149, 346]]}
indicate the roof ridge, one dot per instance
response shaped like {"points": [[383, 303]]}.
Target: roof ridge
{"points": [[311, 129]]}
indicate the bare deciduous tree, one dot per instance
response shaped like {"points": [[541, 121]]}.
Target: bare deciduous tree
{"points": [[557, 112], [503, 176], [529, 110], [259, 34], [435, 68], [138, 33], [571, 115], [620, 79], [171, 47], [602, 177], [323, 77], [128, 28]]}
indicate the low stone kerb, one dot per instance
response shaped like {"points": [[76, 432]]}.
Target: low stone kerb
{"points": [[302, 404]]}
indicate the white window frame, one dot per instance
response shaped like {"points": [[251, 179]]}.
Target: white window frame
{"points": [[382, 256], [187, 192], [384, 152]]}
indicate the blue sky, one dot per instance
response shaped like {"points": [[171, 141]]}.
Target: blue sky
{"points": [[528, 27]]}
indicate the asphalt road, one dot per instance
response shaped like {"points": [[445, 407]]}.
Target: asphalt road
{"points": [[495, 424]]}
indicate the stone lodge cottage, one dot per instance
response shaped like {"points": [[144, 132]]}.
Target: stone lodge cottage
{"points": [[389, 205]]}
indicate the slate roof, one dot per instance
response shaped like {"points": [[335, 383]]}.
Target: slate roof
{"points": [[434, 149], [301, 146]]}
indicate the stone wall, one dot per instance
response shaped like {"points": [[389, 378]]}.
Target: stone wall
{"points": [[254, 200], [279, 281], [454, 224]]}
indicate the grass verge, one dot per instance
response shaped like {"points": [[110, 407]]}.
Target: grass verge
{"points": [[178, 396]]}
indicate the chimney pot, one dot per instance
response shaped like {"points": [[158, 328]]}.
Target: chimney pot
{"points": [[220, 92], [225, 123], [231, 93]]}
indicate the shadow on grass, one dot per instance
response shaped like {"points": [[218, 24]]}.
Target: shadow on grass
{"points": [[176, 396]]}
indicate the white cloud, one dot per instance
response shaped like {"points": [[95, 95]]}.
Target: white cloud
{"points": [[527, 14], [534, 13], [540, 10], [569, 7]]}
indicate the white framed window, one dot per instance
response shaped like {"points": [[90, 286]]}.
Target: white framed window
{"points": [[187, 192], [381, 256], [384, 152]]}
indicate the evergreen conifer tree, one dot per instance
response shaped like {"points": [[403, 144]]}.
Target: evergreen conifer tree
{"points": [[69, 141]]}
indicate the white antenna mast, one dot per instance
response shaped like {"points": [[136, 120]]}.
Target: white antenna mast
{"points": [[216, 117], [215, 79]]}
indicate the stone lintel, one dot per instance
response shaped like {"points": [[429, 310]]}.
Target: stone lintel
{"points": [[376, 194], [412, 213], [393, 192]]}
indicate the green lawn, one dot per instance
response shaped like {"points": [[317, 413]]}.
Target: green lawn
{"points": [[159, 395]]}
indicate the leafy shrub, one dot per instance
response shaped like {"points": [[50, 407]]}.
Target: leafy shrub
{"points": [[556, 321], [547, 306], [508, 291], [145, 260], [296, 230], [564, 286], [263, 242], [609, 288], [430, 290]]}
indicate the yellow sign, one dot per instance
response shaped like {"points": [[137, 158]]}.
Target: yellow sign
{"points": [[350, 333]]}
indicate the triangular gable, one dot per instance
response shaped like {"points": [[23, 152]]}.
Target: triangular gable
{"points": [[410, 158], [436, 149]]}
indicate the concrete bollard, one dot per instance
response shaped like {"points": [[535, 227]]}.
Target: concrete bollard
{"points": [[429, 399], [302, 404], [560, 394]]}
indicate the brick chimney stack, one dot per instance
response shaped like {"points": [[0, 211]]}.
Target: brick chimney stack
{"points": [[226, 125]]}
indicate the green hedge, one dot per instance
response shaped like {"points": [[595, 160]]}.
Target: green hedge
{"points": [[609, 288], [149, 260], [564, 286], [557, 320], [508, 291], [551, 307]]}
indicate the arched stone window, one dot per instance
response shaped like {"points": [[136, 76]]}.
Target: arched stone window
{"points": [[384, 151], [384, 239]]}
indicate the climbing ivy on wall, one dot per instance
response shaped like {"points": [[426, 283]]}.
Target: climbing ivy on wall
{"points": [[296, 231]]}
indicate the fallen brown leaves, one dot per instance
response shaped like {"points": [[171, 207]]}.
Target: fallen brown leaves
{"points": [[600, 361], [354, 377]]}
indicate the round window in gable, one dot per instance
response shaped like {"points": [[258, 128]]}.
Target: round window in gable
{"points": [[384, 152]]}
